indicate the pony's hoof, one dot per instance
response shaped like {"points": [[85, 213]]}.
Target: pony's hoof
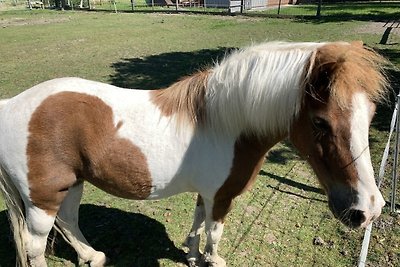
{"points": [[98, 260], [213, 261], [37, 262], [194, 259], [193, 262]]}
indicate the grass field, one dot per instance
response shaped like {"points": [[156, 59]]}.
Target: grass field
{"points": [[274, 224]]}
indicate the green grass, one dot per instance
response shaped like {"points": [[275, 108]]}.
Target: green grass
{"points": [[340, 11], [272, 225]]}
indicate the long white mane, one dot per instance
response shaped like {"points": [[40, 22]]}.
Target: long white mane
{"points": [[258, 89]]}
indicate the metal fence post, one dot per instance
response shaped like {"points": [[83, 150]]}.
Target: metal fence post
{"points": [[396, 159], [319, 8], [279, 6]]}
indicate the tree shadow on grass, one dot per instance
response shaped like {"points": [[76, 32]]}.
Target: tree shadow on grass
{"points": [[127, 239], [158, 71], [350, 11], [292, 183], [385, 110], [7, 251], [283, 154]]}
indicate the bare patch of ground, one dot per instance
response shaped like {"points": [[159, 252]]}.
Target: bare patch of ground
{"points": [[10, 22], [378, 28]]}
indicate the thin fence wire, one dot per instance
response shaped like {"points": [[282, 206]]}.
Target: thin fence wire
{"points": [[394, 127]]}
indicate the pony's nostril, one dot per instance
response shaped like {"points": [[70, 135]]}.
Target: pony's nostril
{"points": [[355, 218]]}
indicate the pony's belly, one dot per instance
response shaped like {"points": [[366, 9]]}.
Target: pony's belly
{"points": [[166, 190], [138, 182], [202, 166]]}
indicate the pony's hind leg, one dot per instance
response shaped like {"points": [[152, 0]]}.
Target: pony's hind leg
{"points": [[39, 223], [67, 225], [193, 239]]}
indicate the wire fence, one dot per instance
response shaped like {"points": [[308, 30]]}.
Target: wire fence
{"points": [[386, 9]]}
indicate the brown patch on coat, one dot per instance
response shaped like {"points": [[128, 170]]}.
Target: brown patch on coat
{"points": [[249, 154], [72, 136], [344, 69], [327, 150], [185, 99]]}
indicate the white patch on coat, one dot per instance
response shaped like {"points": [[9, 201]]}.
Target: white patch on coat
{"points": [[359, 146]]}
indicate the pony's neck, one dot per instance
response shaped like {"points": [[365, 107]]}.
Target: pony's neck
{"points": [[258, 91]]}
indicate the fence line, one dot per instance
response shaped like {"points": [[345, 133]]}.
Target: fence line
{"points": [[291, 8], [394, 127]]}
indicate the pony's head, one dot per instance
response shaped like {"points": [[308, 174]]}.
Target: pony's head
{"points": [[341, 86]]}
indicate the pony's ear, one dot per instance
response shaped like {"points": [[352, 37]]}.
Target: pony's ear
{"points": [[323, 67], [318, 78], [358, 44]]}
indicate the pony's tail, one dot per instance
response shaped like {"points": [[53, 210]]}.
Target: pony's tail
{"points": [[15, 208], [16, 216]]}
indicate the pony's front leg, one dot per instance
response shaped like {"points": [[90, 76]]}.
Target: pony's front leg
{"points": [[214, 230], [193, 239], [215, 214]]}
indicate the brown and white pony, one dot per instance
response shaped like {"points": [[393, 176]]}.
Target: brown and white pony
{"points": [[207, 133]]}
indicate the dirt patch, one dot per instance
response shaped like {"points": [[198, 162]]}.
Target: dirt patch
{"points": [[378, 28], [24, 21]]}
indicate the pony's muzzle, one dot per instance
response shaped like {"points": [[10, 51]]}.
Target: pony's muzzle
{"points": [[353, 214], [376, 206], [356, 206], [353, 218]]}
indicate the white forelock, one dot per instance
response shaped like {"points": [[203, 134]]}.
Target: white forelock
{"points": [[257, 90]]}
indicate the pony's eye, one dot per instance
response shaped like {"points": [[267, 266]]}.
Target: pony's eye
{"points": [[321, 124]]}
